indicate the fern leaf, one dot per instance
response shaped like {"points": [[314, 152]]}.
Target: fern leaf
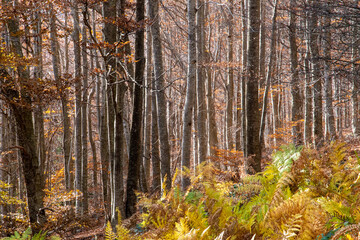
{"points": [[109, 233]]}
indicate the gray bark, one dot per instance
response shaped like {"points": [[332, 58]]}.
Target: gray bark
{"points": [[269, 73], [316, 76], [78, 140], [160, 94], [329, 110], [84, 124], [230, 79], [200, 80], [190, 94]]}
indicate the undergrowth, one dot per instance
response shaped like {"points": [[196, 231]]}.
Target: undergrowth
{"points": [[304, 194]]}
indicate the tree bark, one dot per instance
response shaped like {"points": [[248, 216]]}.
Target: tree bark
{"points": [[190, 94], [329, 110], [84, 123], [21, 107], [160, 94], [316, 76], [200, 80], [253, 145], [296, 108], [355, 79], [137, 118], [78, 140], [230, 80], [269, 73]]}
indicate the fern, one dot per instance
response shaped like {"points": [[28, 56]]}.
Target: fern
{"points": [[109, 233], [26, 235]]}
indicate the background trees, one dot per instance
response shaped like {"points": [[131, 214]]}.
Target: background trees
{"points": [[74, 84]]}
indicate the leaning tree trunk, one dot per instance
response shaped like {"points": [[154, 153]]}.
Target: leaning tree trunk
{"points": [[269, 72]]}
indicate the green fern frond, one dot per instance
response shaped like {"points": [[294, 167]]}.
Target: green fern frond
{"points": [[284, 158]]}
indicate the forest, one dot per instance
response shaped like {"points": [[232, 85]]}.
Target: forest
{"points": [[180, 119]]}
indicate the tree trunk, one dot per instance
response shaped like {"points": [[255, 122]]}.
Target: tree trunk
{"points": [[84, 124], [296, 108], [78, 140], [355, 78], [230, 80], [316, 76], [253, 145], [244, 6], [308, 100], [155, 153], [329, 110], [269, 73], [200, 80], [148, 109], [92, 145], [190, 94], [21, 106], [160, 92], [137, 118], [64, 102]]}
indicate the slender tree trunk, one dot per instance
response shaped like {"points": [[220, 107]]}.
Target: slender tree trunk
{"points": [[316, 76], [253, 145], [155, 152], [190, 94], [200, 80], [64, 102], [296, 108], [84, 124], [78, 140], [212, 125], [148, 109], [92, 144], [137, 118], [308, 100], [355, 79], [38, 113], [329, 110], [160, 92], [230, 80], [269, 73], [244, 6], [262, 67]]}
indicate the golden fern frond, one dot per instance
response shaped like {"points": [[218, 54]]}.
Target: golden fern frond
{"points": [[346, 229], [286, 180], [109, 233], [314, 221], [298, 215]]}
